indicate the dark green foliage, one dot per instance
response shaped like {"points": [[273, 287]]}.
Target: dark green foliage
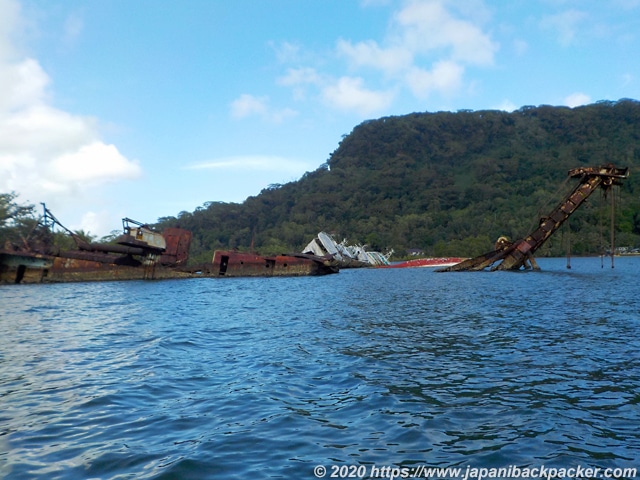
{"points": [[18, 223], [446, 183], [21, 228]]}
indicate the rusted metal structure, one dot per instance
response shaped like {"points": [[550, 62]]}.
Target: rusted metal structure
{"points": [[138, 254], [141, 253], [38, 268], [519, 254], [241, 264]]}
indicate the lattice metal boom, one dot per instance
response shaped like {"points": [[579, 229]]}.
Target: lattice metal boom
{"points": [[519, 254]]}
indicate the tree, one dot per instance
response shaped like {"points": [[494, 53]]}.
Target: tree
{"points": [[441, 182], [18, 223]]}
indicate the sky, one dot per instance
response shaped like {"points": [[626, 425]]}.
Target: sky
{"points": [[148, 108]]}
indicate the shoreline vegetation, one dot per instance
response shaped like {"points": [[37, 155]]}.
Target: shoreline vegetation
{"points": [[443, 184]]}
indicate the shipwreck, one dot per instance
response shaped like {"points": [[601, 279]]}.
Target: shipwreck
{"points": [[140, 253], [518, 255], [345, 255]]}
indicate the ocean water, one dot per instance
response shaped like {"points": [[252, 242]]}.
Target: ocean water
{"points": [[277, 377]]}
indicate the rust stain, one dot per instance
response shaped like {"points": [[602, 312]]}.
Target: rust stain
{"points": [[239, 264]]}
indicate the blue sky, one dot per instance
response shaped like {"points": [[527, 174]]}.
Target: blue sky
{"points": [[146, 108]]}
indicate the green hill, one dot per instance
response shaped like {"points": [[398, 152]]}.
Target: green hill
{"points": [[446, 183]]}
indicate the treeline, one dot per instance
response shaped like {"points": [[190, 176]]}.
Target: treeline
{"points": [[22, 228], [444, 183]]}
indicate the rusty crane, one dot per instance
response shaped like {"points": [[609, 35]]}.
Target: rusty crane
{"points": [[519, 254]]}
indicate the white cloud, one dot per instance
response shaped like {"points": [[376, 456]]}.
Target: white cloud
{"points": [[249, 105], [369, 54], [429, 45], [92, 222], [254, 162], [300, 79], [47, 154], [44, 150], [9, 20], [279, 116], [286, 51], [446, 77], [93, 163], [428, 27], [300, 76], [349, 93], [23, 84], [345, 93], [43, 132], [565, 25], [507, 106], [577, 99]]}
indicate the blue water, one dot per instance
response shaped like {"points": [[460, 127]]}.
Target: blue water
{"points": [[267, 378]]}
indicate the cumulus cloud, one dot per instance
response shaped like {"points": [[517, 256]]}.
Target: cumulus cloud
{"points": [[349, 93], [445, 77], [299, 79], [369, 54], [9, 19], [426, 51], [105, 161], [422, 28], [507, 106], [297, 76], [23, 84], [249, 105], [287, 52], [427, 27], [47, 154], [577, 99]]}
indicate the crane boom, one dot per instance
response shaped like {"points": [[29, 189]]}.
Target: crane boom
{"points": [[519, 254]]}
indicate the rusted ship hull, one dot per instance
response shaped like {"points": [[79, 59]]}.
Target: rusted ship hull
{"points": [[141, 253], [138, 254], [238, 264], [24, 268], [35, 268]]}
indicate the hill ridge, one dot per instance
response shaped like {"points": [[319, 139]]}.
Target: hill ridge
{"points": [[448, 183]]}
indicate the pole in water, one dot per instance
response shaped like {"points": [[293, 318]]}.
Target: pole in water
{"points": [[568, 245], [612, 225]]}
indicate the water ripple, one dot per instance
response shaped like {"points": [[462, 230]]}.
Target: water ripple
{"points": [[265, 378]]}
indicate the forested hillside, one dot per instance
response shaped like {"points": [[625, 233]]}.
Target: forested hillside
{"points": [[445, 183]]}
